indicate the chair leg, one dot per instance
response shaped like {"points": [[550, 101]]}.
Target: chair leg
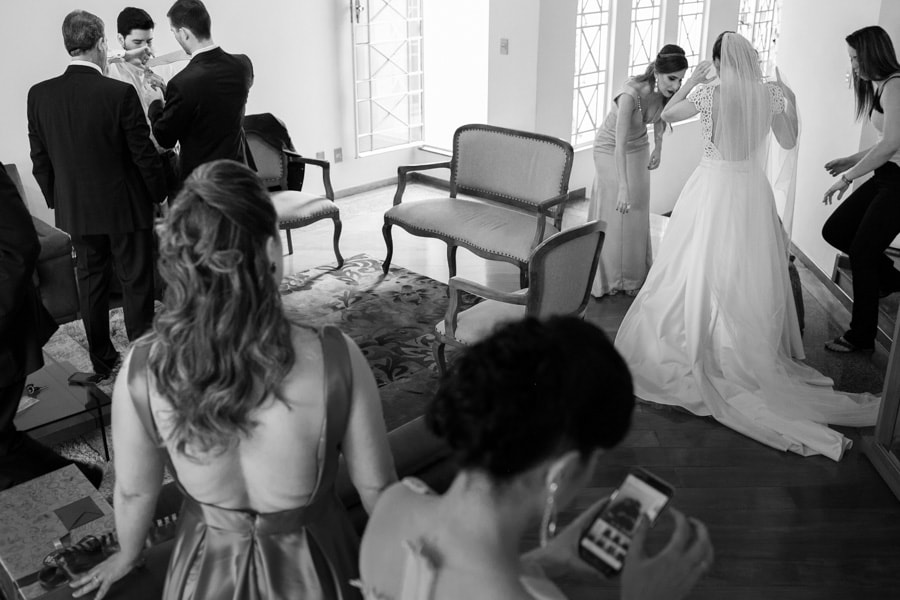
{"points": [[389, 243], [338, 226], [451, 260], [437, 349], [289, 241]]}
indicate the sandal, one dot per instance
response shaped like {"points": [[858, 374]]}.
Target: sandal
{"points": [[842, 346]]}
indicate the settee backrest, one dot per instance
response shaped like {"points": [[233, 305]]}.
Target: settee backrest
{"points": [[515, 167]]}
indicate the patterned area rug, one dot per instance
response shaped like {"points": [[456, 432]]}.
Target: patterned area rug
{"points": [[390, 317]]}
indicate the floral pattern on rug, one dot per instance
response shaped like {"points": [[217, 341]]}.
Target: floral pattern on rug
{"points": [[391, 317]]}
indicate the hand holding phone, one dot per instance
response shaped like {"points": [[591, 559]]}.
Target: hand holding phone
{"points": [[641, 497], [674, 571]]}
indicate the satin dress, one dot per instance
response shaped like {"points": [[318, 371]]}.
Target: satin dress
{"points": [[308, 552]]}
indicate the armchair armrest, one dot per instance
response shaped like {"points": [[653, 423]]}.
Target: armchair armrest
{"points": [[403, 171], [323, 164], [459, 285], [545, 208]]}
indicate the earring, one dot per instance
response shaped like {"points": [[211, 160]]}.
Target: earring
{"points": [[273, 268], [548, 521]]}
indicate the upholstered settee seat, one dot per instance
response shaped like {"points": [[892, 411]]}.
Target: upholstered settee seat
{"points": [[296, 208], [485, 227]]}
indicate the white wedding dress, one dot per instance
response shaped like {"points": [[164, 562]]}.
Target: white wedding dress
{"points": [[714, 329]]}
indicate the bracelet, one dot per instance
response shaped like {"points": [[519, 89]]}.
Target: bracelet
{"points": [[845, 180]]}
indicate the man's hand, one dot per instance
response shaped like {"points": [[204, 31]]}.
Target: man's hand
{"points": [[154, 81], [139, 56]]}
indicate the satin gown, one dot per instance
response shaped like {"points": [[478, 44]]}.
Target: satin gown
{"points": [[626, 255], [305, 552], [714, 329]]}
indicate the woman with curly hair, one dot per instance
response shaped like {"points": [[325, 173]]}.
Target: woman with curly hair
{"points": [[249, 411], [528, 413]]}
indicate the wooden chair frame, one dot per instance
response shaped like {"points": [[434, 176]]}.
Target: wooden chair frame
{"points": [[281, 184], [550, 208], [532, 300]]}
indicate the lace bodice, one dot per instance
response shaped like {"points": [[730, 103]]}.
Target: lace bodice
{"points": [[702, 97]]}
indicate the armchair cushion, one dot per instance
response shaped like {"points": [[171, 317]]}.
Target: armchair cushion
{"points": [[297, 208], [481, 226], [480, 321]]}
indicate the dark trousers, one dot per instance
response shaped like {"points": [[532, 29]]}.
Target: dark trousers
{"points": [[131, 256], [21, 458], [862, 227]]}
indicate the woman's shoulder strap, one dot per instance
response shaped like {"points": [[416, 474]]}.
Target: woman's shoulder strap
{"points": [[139, 387], [338, 372]]}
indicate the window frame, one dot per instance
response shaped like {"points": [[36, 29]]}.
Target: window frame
{"points": [[619, 54]]}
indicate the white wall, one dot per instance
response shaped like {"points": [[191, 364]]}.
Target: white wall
{"points": [[301, 52], [513, 84], [815, 61], [456, 67]]}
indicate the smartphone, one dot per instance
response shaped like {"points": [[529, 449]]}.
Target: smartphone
{"points": [[81, 378], [605, 543]]}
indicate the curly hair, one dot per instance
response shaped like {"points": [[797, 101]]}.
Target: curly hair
{"points": [[222, 343], [531, 390]]}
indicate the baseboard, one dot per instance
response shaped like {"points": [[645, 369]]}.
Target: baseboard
{"points": [[365, 187], [823, 277], [430, 180]]}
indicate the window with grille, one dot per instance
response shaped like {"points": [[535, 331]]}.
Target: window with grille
{"points": [[758, 21], [646, 19], [592, 44], [691, 16], [388, 73]]}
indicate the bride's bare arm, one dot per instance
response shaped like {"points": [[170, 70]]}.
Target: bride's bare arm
{"points": [[365, 446], [679, 107], [786, 125]]}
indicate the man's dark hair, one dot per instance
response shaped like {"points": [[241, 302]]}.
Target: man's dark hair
{"points": [[193, 15], [133, 18], [81, 31]]}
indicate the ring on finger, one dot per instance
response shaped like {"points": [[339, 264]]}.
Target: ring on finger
{"points": [[95, 579]]}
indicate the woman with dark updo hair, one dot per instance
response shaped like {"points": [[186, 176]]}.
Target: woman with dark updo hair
{"points": [[250, 412], [528, 413], [623, 161]]}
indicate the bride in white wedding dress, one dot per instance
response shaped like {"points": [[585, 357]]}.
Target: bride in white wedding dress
{"points": [[714, 329]]}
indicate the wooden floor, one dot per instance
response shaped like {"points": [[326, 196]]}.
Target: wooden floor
{"points": [[784, 526]]}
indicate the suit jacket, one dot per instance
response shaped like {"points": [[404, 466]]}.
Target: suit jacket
{"points": [[25, 325], [91, 153], [204, 109]]}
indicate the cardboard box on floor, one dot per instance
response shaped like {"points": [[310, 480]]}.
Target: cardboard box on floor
{"points": [[39, 512]]}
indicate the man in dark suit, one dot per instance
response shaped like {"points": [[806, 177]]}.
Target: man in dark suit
{"points": [[25, 325], [204, 103], [96, 165]]}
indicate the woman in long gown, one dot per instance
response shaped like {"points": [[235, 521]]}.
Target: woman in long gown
{"points": [[249, 411], [622, 159], [715, 329]]}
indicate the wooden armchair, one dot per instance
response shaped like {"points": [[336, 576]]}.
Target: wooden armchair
{"points": [[520, 182], [295, 208], [561, 270]]}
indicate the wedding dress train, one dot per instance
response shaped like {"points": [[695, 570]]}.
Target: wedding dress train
{"points": [[714, 329]]}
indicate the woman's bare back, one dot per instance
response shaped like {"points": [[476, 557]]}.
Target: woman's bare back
{"points": [[276, 467]]}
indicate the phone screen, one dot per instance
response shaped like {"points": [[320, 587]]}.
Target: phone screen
{"points": [[608, 538]]}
